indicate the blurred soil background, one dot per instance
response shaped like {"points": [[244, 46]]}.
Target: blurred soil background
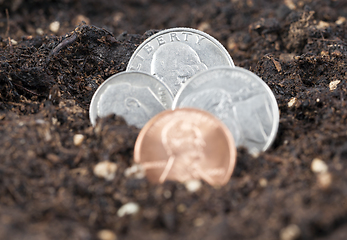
{"points": [[60, 178]]}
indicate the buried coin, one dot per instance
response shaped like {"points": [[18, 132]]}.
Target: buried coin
{"points": [[135, 96], [186, 144], [175, 55], [240, 99]]}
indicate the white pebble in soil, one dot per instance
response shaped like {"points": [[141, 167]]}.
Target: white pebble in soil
{"points": [[333, 85], [40, 31], [130, 208], [136, 171], [78, 139], [193, 185], [54, 26], [290, 232], [106, 235], [106, 170], [291, 102], [319, 166], [324, 180]]}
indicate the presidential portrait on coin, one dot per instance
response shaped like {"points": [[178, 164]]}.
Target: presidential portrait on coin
{"points": [[174, 63], [237, 110], [135, 104], [184, 145]]}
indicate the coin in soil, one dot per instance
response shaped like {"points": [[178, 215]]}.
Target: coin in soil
{"points": [[240, 99], [135, 96], [175, 55], [186, 144]]}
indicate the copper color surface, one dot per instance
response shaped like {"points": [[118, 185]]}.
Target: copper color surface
{"points": [[186, 144]]}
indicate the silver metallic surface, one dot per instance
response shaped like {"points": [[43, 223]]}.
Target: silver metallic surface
{"points": [[175, 55], [240, 99], [133, 95]]}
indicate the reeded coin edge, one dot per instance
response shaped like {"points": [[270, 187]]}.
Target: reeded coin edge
{"points": [[247, 72], [215, 41], [228, 135], [96, 96]]}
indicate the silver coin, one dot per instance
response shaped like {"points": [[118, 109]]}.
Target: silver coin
{"points": [[135, 96], [240, 99], [175, 55]]}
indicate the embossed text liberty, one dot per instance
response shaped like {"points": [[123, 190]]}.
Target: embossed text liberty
{"points": [[175, 55]]}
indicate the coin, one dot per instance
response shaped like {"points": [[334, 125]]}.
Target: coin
{"points": [[186, 144], [175, 55], [240, 99], [135, 96]]}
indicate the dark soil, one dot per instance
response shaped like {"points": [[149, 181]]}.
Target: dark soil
{"points": [[47, 186]]}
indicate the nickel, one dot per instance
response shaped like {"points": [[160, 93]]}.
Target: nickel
{"points": [[135, 96], [240, 99]]}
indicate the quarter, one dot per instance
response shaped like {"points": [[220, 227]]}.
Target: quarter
{"points": [[186, 144], [240, 99], [175, 55], [135, 96]]}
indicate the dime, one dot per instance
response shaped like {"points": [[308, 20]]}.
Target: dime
{"points": [[175, 55], [135, 96], [240, 99], [186, 144]]}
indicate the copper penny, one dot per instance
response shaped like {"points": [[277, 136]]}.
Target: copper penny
{"points": [[186, 144]]}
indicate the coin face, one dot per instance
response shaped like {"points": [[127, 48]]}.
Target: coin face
{"points": [[175, 55], [135, 96], [186, 144], [240, 99]]}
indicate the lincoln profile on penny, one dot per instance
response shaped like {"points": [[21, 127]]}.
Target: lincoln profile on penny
{"points": [[184, 145], [174, 63]]}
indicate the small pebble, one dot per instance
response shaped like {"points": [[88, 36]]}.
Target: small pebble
{"points": [[181, 208], [39, 31], [78, 139], [263, 182], [135, 170], [54, 120], [291, 102], [106, 235], [54, 26], [290, 4], [318, 166], [204, 26], [322, 25], [118, 17], [231, 44], [324, 180], [106, 170], [324, 53], [198, 222], [290, 232], [333, 85], [14, 42], [193, 185], [167, 194], [341, 20], [40, 121], [130, 208], [79, 19]]}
